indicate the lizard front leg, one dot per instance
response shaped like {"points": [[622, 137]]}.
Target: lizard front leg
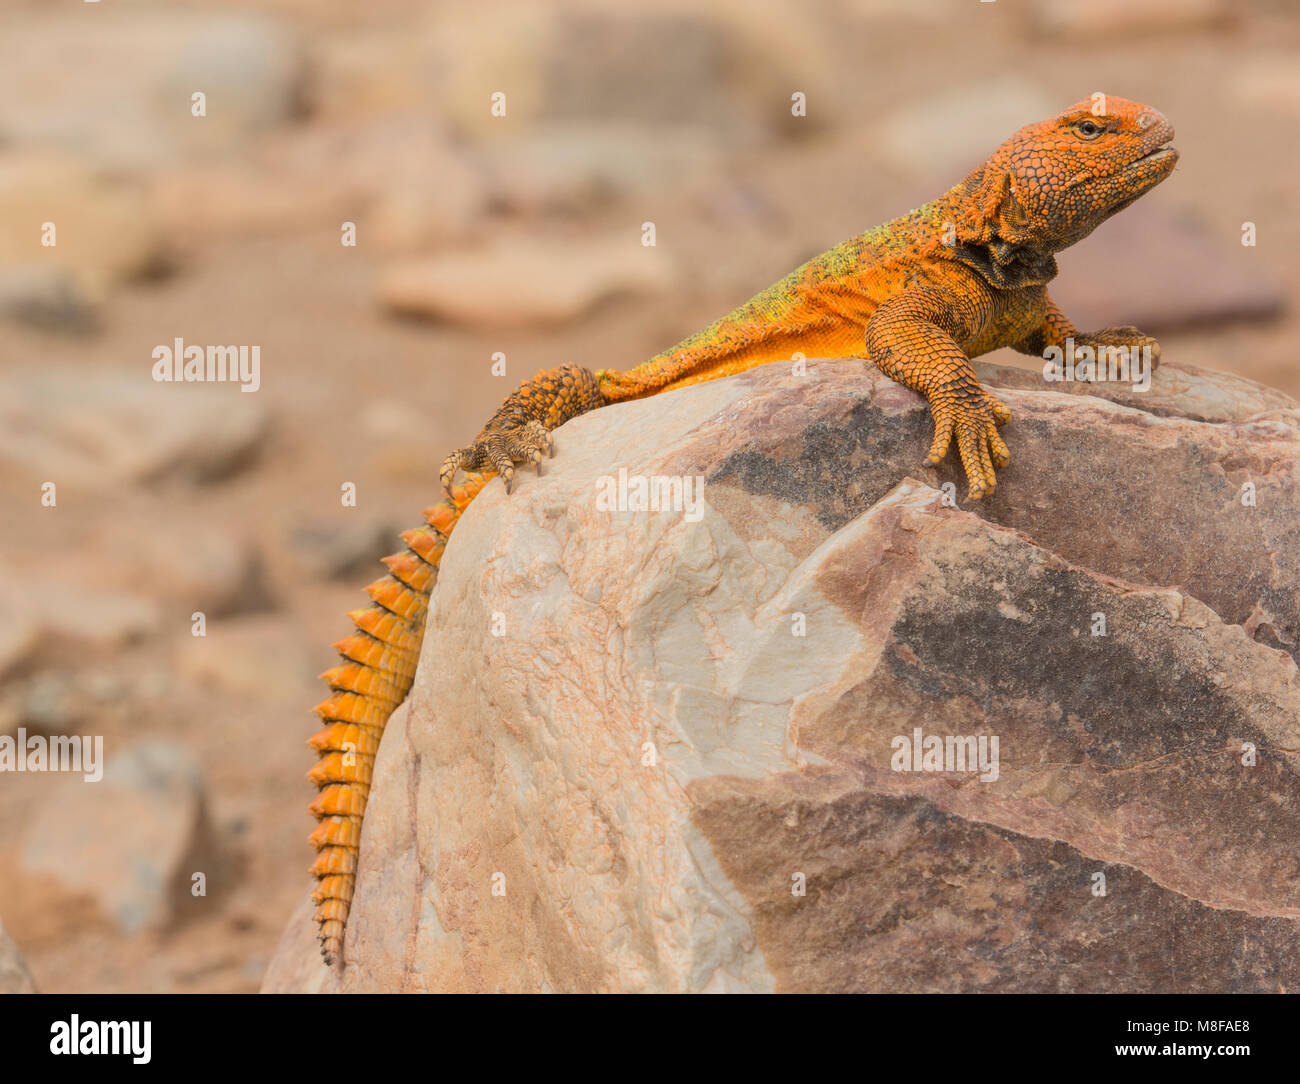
{"points": [[913, 339], [1056, 328], [520, 430]]}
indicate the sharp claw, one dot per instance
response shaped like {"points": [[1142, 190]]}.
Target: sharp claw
{"points": [[445, 476]]}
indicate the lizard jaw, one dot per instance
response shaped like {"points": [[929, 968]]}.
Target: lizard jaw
{"points": [[1165, 150]]}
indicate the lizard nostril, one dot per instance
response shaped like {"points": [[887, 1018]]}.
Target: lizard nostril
{"points": [[1145, 120]]}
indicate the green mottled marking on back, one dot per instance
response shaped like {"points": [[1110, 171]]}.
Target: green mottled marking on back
{"points": [[880, 244]]}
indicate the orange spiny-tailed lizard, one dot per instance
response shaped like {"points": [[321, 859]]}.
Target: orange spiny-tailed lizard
{"points": [[919, 296]]}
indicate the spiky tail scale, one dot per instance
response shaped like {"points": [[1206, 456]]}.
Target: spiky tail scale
{"points": [[380, 658], [375, 674]]}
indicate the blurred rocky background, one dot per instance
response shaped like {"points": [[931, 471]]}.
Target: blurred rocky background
{"points": [[477, 236]]}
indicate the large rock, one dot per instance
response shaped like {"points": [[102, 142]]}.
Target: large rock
{"points": [[679, 766]]}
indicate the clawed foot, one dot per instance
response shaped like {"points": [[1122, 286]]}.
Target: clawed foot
{"points": [[966, 410], [504, 441], [1130, 338], [520, 431]]}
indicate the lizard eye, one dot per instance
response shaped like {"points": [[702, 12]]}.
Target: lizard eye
{"points": [[1088, 129]]}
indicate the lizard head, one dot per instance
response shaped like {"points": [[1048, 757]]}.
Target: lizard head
{"points": [[1052, 183]]}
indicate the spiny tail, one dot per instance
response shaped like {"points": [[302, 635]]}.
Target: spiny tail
{"points": [[376, 672]]}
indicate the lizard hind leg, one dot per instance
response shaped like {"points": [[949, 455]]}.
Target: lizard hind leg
{"points": [[520, 430]]}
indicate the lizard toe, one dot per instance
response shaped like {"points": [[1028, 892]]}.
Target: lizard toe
{"points": [[498, 454], [973, 445], [447, 473], [529, 443], [1001, 454], [943, 423]]}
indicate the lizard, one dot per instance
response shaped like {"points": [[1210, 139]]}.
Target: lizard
{"points": [[919, 296]]}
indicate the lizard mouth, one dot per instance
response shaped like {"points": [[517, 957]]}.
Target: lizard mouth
{"points": [[1155, 154]]}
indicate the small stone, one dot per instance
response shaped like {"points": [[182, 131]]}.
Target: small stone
{"points": [[95, 620], [250, 69], [1128, 18], [50, 703], [54, 615], [343, 552], [260, 657], [98, 429], [77, 616], [202, 204], [521, 282], [102, 227], [730, 72], [374, 173], [131, 841], [186, 565], [15, 976], [49, 298], [563, 168], [20, 629]]}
